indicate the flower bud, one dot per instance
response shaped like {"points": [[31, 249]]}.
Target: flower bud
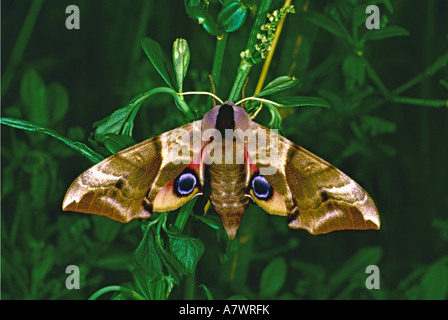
{"points": [[181, 59]]}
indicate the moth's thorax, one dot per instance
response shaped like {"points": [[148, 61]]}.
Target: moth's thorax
{"points": [[227, 113]]}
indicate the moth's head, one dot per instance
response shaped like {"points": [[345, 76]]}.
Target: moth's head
{"points": [[226, 116]]}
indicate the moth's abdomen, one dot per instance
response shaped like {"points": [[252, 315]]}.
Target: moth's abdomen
{"points": [[227, 182], [228, 194]]}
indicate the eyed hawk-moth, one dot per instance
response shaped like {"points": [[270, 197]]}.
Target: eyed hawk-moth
{"points": [[238, 160]]}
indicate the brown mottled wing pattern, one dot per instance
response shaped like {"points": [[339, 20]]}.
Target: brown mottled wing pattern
{"points": [[123, 186], [318, 197]]}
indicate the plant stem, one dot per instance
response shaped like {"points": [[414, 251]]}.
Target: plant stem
{"points": [[245, 66], [259, 21], [421, 102], [190, 286], [78, 146], [218, 59], [104, 290], [393, 95], [184, 214], [141, 29], [20, 45], [376, 79], [180, 103], [241, 76], [431, 70]]}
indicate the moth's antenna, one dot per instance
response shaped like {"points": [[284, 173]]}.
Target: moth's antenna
{"points": [[257, 112], [259, 99], [261, 106], [201, 92]]}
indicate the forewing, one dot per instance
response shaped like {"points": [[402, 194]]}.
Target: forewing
{"points": [[124, 186]]}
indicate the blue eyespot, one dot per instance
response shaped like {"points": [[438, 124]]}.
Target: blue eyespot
{"points": [[185, 183], [261, 187]]}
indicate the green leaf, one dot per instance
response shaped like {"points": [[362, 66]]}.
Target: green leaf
{"points": [[325, 23], [34, 95], [57, 102], [193, 4], [276, 118], [114, 261], [159, 60], [386, 3], [152, 289], [441, 62], [147, 256], [181, 59], [121, 121], [355, 266], [278, 84], [208, 294], [237, 297], [354, 70], [142, 282], [161, 287], [359, 15], [232, 16], [183, 215], [273, 278], [391, 31], [44, 260], [104, 229], [78, 146], [187, 250], [204, 18], [311, 271], [434, 282], [39, 186], [209, 25], [300, 101], [116, 142], [113, 123], [213, 222], [124, 292], [376, 126], [442, 226], [172, 264]]}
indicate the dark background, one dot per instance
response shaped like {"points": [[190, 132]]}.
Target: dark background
{"points": [[397, 152]]}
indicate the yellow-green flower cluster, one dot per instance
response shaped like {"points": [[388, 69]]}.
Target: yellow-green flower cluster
{"points": [[266, 38], [245, 55]]}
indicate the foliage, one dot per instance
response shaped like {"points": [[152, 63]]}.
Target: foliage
{"points": [[369, 82]]}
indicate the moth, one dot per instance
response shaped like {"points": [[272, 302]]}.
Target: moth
{"points": [[233, 159]]}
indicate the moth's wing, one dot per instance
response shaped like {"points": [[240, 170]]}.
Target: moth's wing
{"points": [[138, 180], [317, 196]]}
